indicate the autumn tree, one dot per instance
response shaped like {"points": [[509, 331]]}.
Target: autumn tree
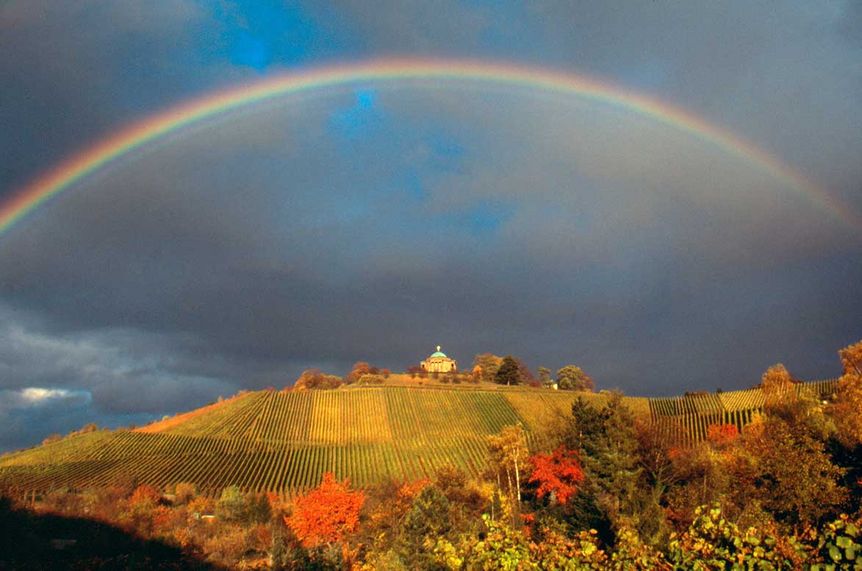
{"points": [[558, 474], [316, 379], [508, 454], [702, 474], [144, 497], [488, 364], [851, 359], [386, 505], [509, 372], [525, 375], [359, 368], [184, 492], [326, 513], [776, 377], [847, 403], [784, 466], [777, 386], [573, 378], [476, 374], [544, 376], [141, 506]]}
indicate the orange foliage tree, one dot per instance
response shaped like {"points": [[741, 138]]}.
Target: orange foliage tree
{"points": [[360, 368], [144, 497], [326, 513], [848, 398], [851, 359], [559, 474]]}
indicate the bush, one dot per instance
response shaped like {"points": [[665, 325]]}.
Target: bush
{"points": [[184, 492], [231, 505], [838, 545], [370, 379], [713, 542], [52, 438]]}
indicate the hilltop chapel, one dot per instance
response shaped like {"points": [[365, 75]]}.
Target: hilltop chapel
{"points": [[438, 362]]}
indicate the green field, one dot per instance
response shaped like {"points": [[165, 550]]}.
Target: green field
{"points": [[284, 441]]}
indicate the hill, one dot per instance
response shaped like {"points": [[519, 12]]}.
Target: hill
{"points": [[284, 441]]}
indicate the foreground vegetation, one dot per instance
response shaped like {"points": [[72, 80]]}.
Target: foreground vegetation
{"points": [[599, 487]]}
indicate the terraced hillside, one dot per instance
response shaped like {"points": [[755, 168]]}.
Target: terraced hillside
{"points": [[284, 441]]}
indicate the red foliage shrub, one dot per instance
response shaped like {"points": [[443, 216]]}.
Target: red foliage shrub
{"points": [[721, 435], [559, 473]]}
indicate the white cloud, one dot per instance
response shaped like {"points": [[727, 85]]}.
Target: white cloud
{"points": [[38, 395]]}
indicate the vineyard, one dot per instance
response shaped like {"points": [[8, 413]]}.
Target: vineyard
{"points": [[284, 441]]}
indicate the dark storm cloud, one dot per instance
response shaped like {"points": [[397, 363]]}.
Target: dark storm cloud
{"points": [[80, 69], [373, 223], [787, 76]]}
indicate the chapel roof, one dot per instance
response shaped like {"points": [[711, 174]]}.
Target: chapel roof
{"points": [[438, 353]]}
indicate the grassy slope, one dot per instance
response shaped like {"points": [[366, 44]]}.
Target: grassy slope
{"points": [[283, 442]]}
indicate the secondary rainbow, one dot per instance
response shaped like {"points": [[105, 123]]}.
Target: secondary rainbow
{"points": [[136, 135]]}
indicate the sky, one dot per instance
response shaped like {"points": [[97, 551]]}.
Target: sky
{"points": [[375, 220]]}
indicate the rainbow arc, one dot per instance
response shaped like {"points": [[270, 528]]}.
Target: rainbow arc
{"points": [[134, 136]]}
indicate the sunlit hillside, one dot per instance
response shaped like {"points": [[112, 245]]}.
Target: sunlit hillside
{"points": [[284, 441]]}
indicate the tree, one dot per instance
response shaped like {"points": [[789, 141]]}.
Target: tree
{"points": [[316, 379], [476, 374], [607, 445], [428, 519], [144, 497], [326, 513], [776, 377], [544, 376], [777, 386], [851, 359], [573, 378], [847, 404], [525, 376], [508, 451], [509, 373], [258, 508], [783, 465], [487, 364], [359, 368], [184, 492], [231, 506], [558, 474]]}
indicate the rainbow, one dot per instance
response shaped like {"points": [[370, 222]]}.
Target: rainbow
{"points": [[135, 135]]}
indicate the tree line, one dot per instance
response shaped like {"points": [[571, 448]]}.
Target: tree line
{"points": [[507, 370]]}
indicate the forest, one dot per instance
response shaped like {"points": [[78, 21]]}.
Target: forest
{"points": [[597, 488]]}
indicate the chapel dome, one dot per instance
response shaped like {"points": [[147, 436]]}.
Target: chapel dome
{"points": [[438, 353]]}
